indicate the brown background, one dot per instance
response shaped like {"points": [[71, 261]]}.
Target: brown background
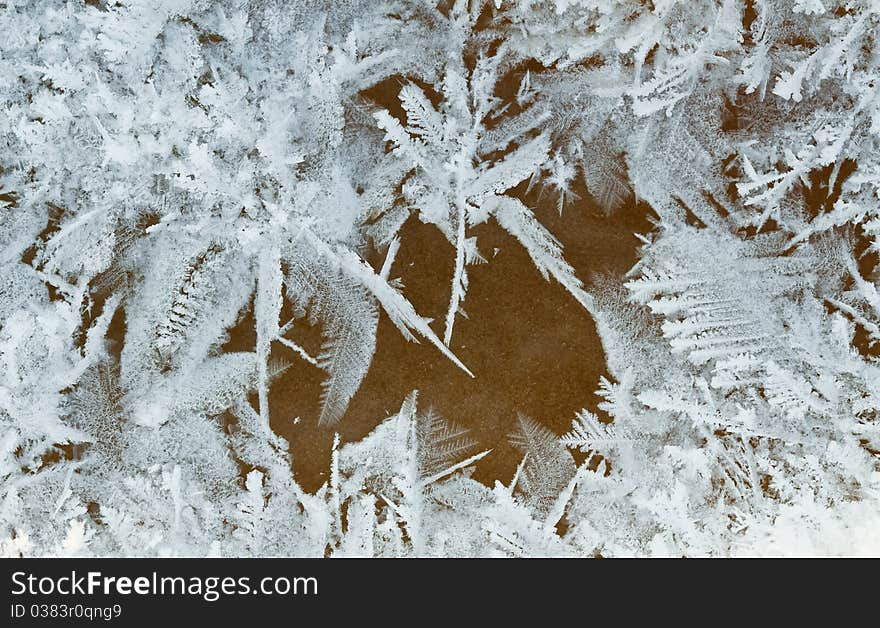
{"points": [[533, 349]]}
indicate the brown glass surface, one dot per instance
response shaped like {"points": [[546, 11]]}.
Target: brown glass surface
{"points": [[533, 349]]}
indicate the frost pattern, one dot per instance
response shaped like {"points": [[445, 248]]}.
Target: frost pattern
{"points": [[174, 170]]}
